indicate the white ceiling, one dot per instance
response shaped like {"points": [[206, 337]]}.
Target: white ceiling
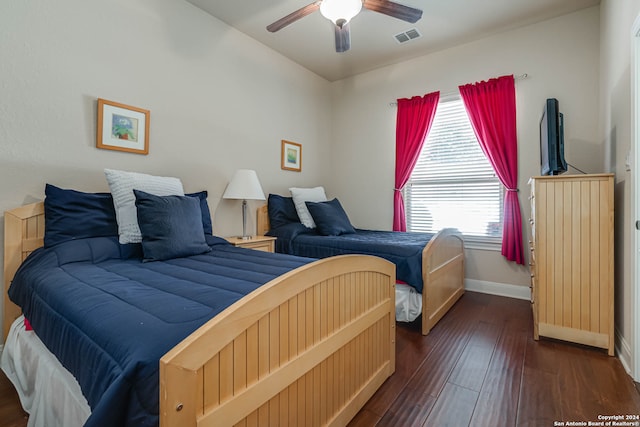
{"points": [[445, 23]]}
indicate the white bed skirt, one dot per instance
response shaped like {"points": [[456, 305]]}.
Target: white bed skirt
{"points": [[408, 303], [47, 391]]}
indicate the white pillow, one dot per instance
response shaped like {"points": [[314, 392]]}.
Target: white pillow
{"points": [[301, 195], [122, 185]]}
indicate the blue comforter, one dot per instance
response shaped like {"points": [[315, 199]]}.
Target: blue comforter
{"points": [[109, 317], [402, 249]]}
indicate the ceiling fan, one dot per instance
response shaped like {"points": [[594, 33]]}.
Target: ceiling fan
{"points": [[340, 13]]}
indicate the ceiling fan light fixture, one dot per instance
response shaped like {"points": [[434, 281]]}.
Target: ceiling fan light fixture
{"points": [[340, 12]]}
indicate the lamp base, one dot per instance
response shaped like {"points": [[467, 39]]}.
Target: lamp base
{"points": [[244, 222]]}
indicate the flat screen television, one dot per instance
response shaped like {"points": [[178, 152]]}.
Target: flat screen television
{"points": [[552, 139]]}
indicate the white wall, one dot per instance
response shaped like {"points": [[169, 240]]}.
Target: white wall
{"points": [[561, 57], [219, 100], [617, 18]]}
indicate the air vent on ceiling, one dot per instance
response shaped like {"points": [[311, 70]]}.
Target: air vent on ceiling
{"points": [[407, 35]]}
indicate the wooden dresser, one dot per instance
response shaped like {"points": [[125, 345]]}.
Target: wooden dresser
{"points": [[572, 258]]}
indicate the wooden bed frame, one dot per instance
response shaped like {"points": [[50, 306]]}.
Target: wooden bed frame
{"points": [[442, 271], [308, 348]]}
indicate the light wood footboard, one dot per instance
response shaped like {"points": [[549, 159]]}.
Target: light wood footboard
{"points": [[308, 348], [442, 276], [442, 271]]}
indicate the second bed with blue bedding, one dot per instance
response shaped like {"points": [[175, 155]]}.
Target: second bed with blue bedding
{"points": [[430, 265], [402, 249]]}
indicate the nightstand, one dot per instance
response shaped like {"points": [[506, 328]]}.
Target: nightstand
{"points": [[259, 243]]}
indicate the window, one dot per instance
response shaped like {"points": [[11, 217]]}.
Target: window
{"points": [[453, 184]]}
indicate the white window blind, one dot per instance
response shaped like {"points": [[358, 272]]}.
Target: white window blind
{"points": [[453, 184]]}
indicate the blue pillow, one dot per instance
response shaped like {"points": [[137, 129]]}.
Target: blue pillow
{"points": [[204, 207], [171, 226], [282, 211], [71, 214], [330, 218]]}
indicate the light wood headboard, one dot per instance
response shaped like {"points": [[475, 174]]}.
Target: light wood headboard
{"points": [[262, 218], [23, 234]]}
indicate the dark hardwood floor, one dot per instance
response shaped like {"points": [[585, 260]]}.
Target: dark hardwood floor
{"points": [[478, 367], [11, 413]]}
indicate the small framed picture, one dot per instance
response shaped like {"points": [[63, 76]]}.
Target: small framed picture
{"points": [[122, 127], [291, 156]]}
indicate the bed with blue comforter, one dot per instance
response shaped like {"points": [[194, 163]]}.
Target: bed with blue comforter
{"points": [[109, 317], [402, 249], [309, 225], [181, 327]]}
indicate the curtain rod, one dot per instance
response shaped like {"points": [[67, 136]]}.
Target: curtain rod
{"points": [[456, 92]]}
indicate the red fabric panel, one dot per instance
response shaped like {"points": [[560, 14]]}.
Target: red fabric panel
{"points": [[413, 121], [491, 107]]}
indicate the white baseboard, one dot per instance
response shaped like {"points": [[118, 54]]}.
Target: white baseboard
{"points": [[501, 289], [623, 351]]}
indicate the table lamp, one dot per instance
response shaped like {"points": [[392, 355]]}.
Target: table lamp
{"points": [[244, 186]]}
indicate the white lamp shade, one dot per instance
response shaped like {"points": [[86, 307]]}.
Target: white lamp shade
{"points": [[245, 186], [336, 10]]}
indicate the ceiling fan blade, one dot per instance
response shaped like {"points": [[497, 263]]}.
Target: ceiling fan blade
{"points": [[394, 9], [343, 38], [294, 16]]}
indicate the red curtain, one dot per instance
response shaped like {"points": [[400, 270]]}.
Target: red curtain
{"points": [[413, 122], [491, 107]]}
